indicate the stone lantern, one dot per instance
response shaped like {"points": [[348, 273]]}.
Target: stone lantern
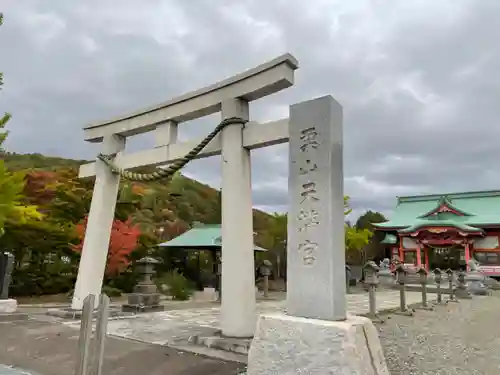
{"points": [[371, 273], [438, 276], [423, 273], [265, 271], [462, 291], [476, 280], [438, 279], [265, 268], [145, 297], [401, 274], [371, 280]]}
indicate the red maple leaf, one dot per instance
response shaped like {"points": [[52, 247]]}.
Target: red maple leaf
{"points": [[124, 239]]}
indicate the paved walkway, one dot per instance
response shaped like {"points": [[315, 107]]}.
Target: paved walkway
{"points": [[173, 328], [9, 370], [49, 348]]}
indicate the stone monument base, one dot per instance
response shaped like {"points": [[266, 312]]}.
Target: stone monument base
{"points": [[8, 305], [143, 302], [288, 345]]}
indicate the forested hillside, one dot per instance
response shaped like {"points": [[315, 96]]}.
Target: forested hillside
{"points": [[47, 250]]}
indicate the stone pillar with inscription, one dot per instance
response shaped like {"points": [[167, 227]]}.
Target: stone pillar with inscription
{"points": [[316, 335]]}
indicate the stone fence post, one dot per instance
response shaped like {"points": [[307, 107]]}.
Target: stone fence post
{"points": [[401, 275], [438, 278], [424, 274], [452, 298]]}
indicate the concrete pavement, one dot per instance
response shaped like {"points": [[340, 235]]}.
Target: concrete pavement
{"points": [[49, 348]]}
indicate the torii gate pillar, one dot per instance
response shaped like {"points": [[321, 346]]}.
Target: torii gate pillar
{"points": [[238, 275]]}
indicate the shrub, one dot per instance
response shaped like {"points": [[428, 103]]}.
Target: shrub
{"points": [[175, 285], [110, 291], [106, 289]]}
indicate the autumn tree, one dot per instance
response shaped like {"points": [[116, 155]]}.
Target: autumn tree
{"points": [[123, 241], [45, 261]]}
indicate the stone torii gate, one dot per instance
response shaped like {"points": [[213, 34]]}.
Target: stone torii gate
{"points": [[231, 97]]}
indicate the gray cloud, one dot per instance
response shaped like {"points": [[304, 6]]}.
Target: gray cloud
{"points": [[418, 81]]}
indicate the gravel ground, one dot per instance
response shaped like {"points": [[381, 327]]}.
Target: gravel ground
{"points": [[455, 339]]}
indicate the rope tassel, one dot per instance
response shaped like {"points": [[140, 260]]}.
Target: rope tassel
{"points": [[167, 173]]}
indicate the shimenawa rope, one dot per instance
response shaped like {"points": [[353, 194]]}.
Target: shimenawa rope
{"points": [[167, 173]]}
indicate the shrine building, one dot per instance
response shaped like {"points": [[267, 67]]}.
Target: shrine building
{"points": [[445, 231]]}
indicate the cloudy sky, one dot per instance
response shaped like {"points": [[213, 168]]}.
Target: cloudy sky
{"points": [[418, 80]]}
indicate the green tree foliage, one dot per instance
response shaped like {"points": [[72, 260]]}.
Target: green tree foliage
{"points": [[356, 239], [369, 218], [374, 249], [45, 262], [276, 236]]}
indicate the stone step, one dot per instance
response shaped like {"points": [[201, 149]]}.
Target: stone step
{"points": [[229, 344]]}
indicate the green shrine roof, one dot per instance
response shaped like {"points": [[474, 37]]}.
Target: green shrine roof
{"points": [[465, 211], [439, 223], [206, 236]]}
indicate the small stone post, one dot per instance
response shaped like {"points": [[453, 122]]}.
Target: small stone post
{"points": [[438, 278], [401, 275], [7, 276], [219, 278], [452, 298], [7, 305], [423, 282], [85, 338], [97, 351], [462, 291], [371, 279], [348, 278]]}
